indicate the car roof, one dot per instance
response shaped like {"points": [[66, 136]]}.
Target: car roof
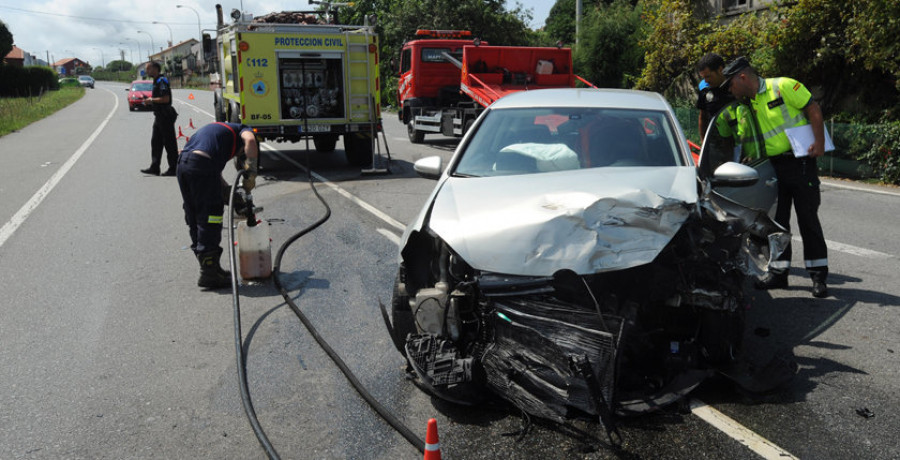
{"points": [[584, 97]]}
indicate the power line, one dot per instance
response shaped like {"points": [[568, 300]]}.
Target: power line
{"points": [[88, 18]]}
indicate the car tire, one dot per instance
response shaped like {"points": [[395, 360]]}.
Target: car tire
{"points": [[402, 321]]}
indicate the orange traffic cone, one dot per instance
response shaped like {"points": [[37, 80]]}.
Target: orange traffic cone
{"points": [[180, 134], [432, 445], [191, 96], [191, 124]]}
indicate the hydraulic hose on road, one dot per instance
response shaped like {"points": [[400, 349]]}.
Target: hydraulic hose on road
{"points": [[391, 419]]}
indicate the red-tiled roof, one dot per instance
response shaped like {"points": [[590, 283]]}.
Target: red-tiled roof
{"points": [[16, 53]]}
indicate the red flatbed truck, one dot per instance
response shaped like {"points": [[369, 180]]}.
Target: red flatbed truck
{"points": [[447, 79]]}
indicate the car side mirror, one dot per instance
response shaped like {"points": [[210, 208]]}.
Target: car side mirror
{"points": [[733, 174], [126, 89], [429, 167]]}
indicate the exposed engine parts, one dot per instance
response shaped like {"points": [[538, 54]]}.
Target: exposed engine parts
{"points": [[576, 346]]}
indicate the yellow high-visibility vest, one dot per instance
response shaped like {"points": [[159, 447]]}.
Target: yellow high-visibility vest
{"points": [[780, 107]]}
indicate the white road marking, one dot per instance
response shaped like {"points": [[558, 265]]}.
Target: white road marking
{"points": [[368, 207], [860, 189], [762, 446], [390, 235], [19, 217], [849, 249]]}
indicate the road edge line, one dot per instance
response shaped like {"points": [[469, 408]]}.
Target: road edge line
{"points": [[22, 214]]}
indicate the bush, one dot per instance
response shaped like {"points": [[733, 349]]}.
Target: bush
{"points": [[26, 81], [879, 147]]}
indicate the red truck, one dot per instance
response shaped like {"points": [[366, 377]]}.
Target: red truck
{"points": [[447, 78]]}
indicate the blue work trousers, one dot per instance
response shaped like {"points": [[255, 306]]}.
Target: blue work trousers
{"points": [[200, 181]]}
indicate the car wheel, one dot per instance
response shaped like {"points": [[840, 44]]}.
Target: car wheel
{"points": [[402, 321]]}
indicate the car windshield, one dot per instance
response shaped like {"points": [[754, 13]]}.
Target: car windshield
{"points": [[537, 140], [84, 78], [142, 87]]}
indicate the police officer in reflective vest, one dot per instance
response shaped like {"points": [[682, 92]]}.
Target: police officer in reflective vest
{"points": [[164, 116], [777, 104], [200, 168]]}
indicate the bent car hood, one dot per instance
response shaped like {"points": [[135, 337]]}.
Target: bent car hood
{"points": [[588, 221]]}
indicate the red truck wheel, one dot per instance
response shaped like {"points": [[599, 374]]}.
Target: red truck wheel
{"points": [[415, 136]]}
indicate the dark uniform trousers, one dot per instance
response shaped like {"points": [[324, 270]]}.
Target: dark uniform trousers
{"points": [[201, 188], [798, 183], [163, 136]]}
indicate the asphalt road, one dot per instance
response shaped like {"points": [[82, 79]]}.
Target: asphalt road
{"points": [[109, 350]]}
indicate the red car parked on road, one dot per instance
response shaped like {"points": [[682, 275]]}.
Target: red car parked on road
{"points": [[137, 92]]}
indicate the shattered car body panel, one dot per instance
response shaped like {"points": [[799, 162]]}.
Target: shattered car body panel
{"points": [[610, 219], [616, 286]]}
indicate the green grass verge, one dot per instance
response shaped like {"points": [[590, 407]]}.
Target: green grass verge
{"points": [[18, 112]]}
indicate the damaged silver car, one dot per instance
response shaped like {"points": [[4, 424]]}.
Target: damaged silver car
{"points": [[573, 259]]}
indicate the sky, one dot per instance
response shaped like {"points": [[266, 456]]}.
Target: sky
{"points": [[98, 31]]}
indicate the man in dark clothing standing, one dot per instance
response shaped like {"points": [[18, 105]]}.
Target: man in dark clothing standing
{"points": [[163, 123], [200, 168], [712, 97]]}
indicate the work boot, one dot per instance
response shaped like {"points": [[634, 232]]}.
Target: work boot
{"points": [[819, 289], [211, 274], [151, 171], [772, 281], [169, 172]]}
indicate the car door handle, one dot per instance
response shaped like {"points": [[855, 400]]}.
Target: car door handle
{"points": [[772, 182]]}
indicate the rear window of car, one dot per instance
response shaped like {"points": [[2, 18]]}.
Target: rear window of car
{"points": [[537, 140]]}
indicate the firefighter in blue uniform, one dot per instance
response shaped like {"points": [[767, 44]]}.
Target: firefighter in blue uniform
{"points": [[711, 97], [163, 123], [776, 104], [199, 173]]}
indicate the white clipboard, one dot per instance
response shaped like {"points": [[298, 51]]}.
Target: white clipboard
{"points": [[802, 137]]}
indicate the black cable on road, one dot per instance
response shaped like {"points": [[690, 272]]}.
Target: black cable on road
{"points": [[382, 411], [238, 336]]}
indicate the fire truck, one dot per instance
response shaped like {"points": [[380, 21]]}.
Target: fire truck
{"points": [[290, 81], [447, 78]]}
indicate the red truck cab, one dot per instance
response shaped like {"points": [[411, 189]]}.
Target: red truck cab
{"points": [[427, 79]]}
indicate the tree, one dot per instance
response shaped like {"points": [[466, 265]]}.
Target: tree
{"points": [[609, 53], [560, 25], [118, 65], [6, 40]]}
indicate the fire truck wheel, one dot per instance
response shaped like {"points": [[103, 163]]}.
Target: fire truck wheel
{"points": [[325, 142], [415, 136], [358, 148], [219, 110]]}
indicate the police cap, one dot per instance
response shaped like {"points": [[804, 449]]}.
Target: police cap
{"points": [[732, 69]]}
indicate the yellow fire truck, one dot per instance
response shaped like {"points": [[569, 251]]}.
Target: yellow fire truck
{"points": [[290, 81]]}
